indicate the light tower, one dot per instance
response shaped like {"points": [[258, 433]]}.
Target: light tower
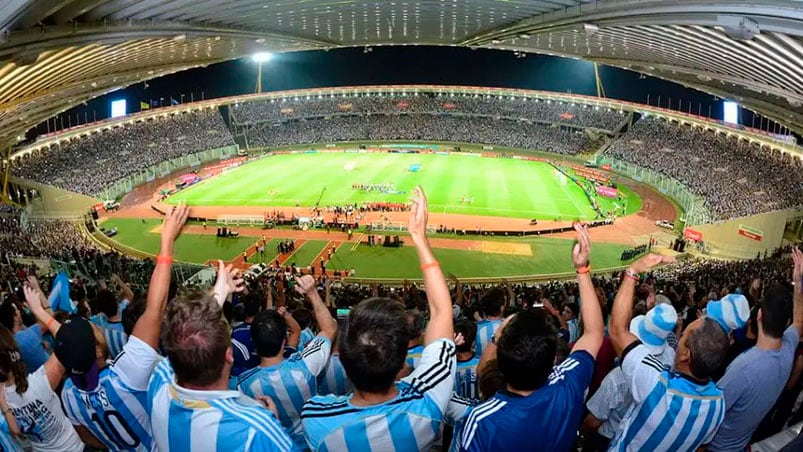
{"points": [[260, 57]]}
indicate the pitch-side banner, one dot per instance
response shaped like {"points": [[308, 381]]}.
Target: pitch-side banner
{"points": [[608, 192], [691, 234], [751, 233]]}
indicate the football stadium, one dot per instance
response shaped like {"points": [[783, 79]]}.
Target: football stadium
{"points": [[416, 225]]}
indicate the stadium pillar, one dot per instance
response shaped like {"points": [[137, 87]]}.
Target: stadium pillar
{"points": [[4, 197]]}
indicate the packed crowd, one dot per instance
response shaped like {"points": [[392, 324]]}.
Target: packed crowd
{"points": [[734, 177], [538, 110], [490, 131], [90, 164], [694, 354]]}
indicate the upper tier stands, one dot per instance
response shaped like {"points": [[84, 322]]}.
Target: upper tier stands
{"points": [[92, 163], [547, 111], [734, 177]]}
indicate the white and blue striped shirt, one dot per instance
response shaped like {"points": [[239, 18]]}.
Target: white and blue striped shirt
{"points": [[7, 442], [333, 379], [411, 421], [306, 336], [289, 383], [115, 412], [485, 332], [671, 411], [225, 421], [115, 340], [467, 380]]}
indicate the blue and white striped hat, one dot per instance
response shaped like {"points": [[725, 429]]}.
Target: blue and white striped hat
{"points": [[653, 327], [731, 312]]}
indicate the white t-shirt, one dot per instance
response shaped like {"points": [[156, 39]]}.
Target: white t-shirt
{"points": [[40, 417]]}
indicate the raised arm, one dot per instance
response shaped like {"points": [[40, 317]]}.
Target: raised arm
{"points": [[149, 325], [33, 301], [293, 328], [229, 280], [590, 310], [797, 276], [125, 290], [619, 327], [328, 327], [441, 320]]}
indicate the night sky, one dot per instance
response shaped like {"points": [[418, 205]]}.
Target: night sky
{"points": [[400, 65]]}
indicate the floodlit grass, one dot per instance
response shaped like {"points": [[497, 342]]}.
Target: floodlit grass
{"points": [[549, 255], [497, 186]]}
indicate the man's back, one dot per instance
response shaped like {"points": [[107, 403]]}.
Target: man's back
{"points": [[115, 412], [245, 357], [751, 385], [289, 383], [485, 331], [225, 421], [410, 421], [547, 419], [466, 380], [671, 411]]}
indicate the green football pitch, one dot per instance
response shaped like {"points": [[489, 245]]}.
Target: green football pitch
{"points": [[456, 183]]}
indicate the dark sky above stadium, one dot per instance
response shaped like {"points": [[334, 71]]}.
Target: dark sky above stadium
{"points": [[401, 64]]}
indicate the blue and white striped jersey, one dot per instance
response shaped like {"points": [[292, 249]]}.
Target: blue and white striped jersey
{"points": [[289, 383], [333, 379], [212, 421], [306, 336], [7, 442], [485, 332], [411, 421], [466, 380], [115, 340], [414, 356], [671, 411], [115, 412]]}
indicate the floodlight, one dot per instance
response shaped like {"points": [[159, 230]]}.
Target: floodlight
{"points": [[261, 57]]}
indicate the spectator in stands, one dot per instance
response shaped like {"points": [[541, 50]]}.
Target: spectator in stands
{"points": [[245, 355], [493, 309], [31, 396], [289, 382], [108, 402], [466, 384], [416, 324], [663, 418], [29, 340], [540, 404], [304, 319], [373, 351], [755, 379], [189, 398], [608, 406]]}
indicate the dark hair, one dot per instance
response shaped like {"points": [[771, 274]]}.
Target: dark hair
{"points": [[491, 380], [196, 338], [238, 313], [252, 306], [374, 348], [7, 314], [132, 313], [526, 352], [492, 302], [11, 362], [574, 308], [468, 329], [268, 333], [776, 311], [303, 317], [708, 345], [415, 324], [107, 303]]}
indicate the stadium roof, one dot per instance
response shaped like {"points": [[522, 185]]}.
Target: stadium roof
{"points": [[55, 54]]}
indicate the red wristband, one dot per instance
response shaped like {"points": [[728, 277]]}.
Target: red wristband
{"points": [[164, 259], [49, 322], [583, 270], [632, 275], [428, 265]]}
